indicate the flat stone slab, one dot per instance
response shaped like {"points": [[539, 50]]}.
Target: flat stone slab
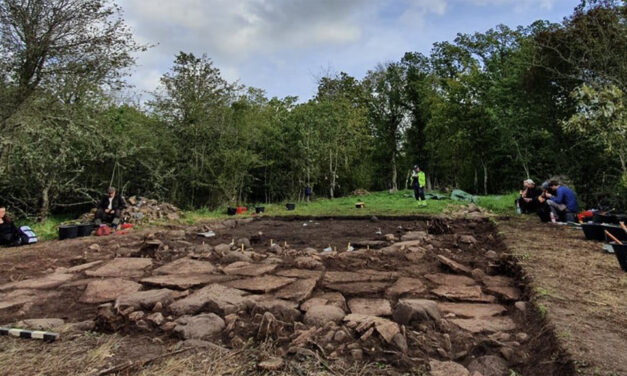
{"points": [[298, 290], [108, 289], [414, 235], [212, 298], [147, 299], [184, 282], [505, 292], [497, 280], [356, 288], [82, 267], [47, 282], [122, 267], [366, 275], [327, 298], [489, 325], [204, 326], [374, 307], [463, 293], [40, 324], [248, 269], [185, 265], [450, 279], [447, 369], [300, 273], [283, 310], [409, 310], [18, 298], [260, 284], [321, 315], [454, 265], [405, 285], [472, 311]]}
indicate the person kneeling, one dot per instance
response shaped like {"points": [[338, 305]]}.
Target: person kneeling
{"points": [[110, 209], [562, 202]]}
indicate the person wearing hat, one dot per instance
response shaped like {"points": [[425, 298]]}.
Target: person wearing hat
{"points": [[110, 208], [418, 182], [528, 200]]}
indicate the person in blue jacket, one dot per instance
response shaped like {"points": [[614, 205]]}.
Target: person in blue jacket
{"points": [[562, 201]]}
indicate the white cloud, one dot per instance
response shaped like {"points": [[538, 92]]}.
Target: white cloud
{"points": [[518, 5]]}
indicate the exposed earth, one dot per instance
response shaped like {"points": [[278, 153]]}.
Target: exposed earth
{"points": [[302, 296]]}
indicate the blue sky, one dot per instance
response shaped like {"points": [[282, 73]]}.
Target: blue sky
{"points": [[284, 46]]}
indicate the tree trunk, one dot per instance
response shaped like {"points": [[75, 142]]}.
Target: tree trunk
{"points": [[394, 174], [476, 181], [485, 178], [44, 209]]}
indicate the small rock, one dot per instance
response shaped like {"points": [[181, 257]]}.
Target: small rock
{"points": [[157, 307], [156, 318], [244, 241], [521, 306], [467, 239], [447, 369], [357, 354], [94, 247], [478, 274], [222, 248], [340, 336], [522, 337], [491, 255], [319, 315], [136, 316], [489, 365], [272, 364], [202, 326], [408, 310], [168, 326], [390, 237]]}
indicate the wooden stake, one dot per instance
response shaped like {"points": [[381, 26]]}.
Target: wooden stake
{"points": [[609, 235], [271, 243], [242, 247], [622, 225]]}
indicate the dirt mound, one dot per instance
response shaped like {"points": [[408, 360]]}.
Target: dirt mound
{"points": [[141, 210]]}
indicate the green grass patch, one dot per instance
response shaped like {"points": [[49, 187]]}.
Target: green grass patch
{"points": [[47, 229], [377, 203], [499, 204]]}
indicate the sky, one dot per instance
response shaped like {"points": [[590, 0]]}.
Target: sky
{"points": [[285, 46]]}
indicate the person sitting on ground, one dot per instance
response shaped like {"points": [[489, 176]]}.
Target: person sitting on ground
{"points": [[418, 182], [528, 200], [110, 209], [9, 234], [562, 201]]}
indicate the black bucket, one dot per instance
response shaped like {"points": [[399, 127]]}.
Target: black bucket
{"points": [[621, 255], [593, 231], [231, 211], [290, 206], [85, 229], [605, 218], [68, 232], [616, 231], [259, 209]]}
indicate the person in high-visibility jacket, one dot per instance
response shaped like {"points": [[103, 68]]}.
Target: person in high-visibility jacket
{"points": [[418, 182]]}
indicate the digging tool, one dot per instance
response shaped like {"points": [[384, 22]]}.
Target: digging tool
{"points": [[34, 334], [609, 235]]}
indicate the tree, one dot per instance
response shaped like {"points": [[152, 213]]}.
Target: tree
{"points": [[46, 41]]}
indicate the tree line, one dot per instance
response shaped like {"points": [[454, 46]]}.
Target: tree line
{"points": [[480, 113]]}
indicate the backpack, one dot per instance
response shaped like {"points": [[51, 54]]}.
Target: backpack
{"points": [[27, 236]]}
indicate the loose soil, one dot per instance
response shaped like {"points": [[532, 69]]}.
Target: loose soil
{"points": [[480, 294]]}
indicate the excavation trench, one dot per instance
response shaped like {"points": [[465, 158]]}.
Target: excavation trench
{"points": [[419, 294]]}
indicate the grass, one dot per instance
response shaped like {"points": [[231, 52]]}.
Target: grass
{"points": [[47, 229], [377, 203], [500, 204]]}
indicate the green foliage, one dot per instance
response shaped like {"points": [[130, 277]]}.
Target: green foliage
{"points": [[481, 113]]}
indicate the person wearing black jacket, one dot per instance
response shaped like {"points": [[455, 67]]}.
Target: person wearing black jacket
{"points": [[110, 208], [9, 234], [528, 200]]}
